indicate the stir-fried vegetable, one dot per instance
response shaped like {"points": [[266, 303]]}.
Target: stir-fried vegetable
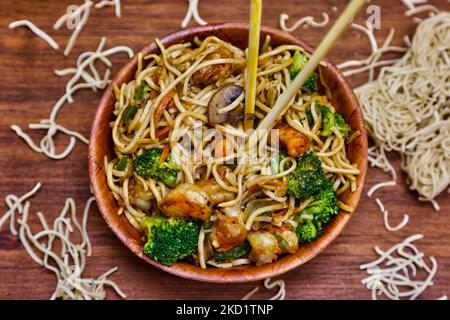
{"points": [[307, 232], [141, 91], [307, 178], [324, 205], [321, 210], [139, 99], [281, 241], [237, 252], [122, 164], [342, 126], [311, 82], [306, 182], [170, 240], [299, 61], [148, 164], [330, 120], [129, 113]]}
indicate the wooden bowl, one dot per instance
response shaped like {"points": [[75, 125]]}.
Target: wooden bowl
{"points": [[101, 144]]}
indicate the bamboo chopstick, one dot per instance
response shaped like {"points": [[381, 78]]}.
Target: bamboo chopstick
{"points": [[325, 45], [252, 61]]}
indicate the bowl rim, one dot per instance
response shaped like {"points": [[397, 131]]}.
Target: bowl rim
{"points": [[215, 275]]}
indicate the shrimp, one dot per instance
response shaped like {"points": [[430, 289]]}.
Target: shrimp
{"points": [[228, 230], [211, 74], [215, 191], [268, 244], [187, 201], [264, 247], [295, 142]]}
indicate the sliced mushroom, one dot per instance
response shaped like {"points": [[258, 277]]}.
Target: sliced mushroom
{"points": [[222, 98]]}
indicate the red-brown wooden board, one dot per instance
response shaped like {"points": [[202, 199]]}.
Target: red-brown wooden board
{"points": [[29, 89]]}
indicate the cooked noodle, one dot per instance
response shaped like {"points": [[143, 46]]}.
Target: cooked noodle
{"points": [[54, 248], [84, 76], [407, 110], [395, 274], [280, 295], [175, 107], [110, 3], [305, 22], [36, 31], [192, 12]]}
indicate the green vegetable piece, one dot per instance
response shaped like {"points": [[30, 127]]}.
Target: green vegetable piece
{"points": [[299, 61], [307, 232], [129, 113], [311, 82], [170, 240], [139, 98], [307, 178], [237, 252], [330, 120], [148, 165], [343, 127], [140, 93], [309, 117], [169, 178], [327, 120], [122, 164], [324, 205], [283, 243]]}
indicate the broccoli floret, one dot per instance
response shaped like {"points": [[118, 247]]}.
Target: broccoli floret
{"points": [[148, 165], [309, 181], [328, 120], [324, 205], [307, 178], [311, 83], [299, 61], [170, 240], [322, 209], [307, 232], [340, 124]]}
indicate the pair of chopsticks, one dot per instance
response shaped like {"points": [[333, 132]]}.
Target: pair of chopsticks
{"points": [[252, 63]]}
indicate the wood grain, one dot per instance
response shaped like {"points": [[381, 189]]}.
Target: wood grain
{"points": [[29, 89]]}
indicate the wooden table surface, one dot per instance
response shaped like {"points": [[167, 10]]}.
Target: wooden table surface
{"points": [[29, 89]]}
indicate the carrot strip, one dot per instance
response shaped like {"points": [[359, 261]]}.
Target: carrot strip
{"points": [[164, 153], [163, 132], [165, 102]]}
